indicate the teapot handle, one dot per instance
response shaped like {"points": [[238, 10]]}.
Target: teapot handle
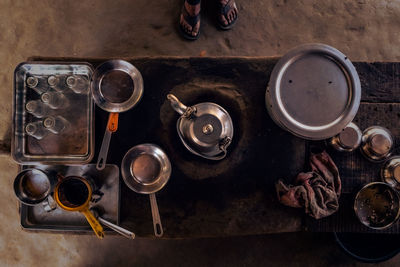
{"points": [[223, 145], [219, 157]]}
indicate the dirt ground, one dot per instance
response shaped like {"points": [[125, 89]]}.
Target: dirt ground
{"points": [[365, 30]]}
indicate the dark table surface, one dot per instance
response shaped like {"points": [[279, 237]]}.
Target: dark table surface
{"points": [[380, 106], [236, 196]]}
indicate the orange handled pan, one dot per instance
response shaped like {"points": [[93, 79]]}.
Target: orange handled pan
{"points": [[116, 86]]}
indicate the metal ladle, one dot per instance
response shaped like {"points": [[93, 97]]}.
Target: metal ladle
{"points": [[146, 169], [116, 228]]}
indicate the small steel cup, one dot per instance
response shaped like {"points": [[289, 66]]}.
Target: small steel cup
{"points": [[377, 143], [348, 139], [390, 172], [32, 186]]}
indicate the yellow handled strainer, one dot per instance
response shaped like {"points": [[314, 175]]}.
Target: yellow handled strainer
{"points": [[73, 193]]}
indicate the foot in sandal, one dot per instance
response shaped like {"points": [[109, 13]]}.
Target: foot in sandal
{"points": [[228, 14], [190, 19]]}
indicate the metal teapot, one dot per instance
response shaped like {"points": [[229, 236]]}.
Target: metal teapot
{"points": [[206, 129]]}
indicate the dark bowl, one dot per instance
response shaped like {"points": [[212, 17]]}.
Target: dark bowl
{"points": [[369, 247]]}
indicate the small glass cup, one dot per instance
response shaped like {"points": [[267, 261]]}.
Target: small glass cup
{"points": [[55, 124], [37, 108], [56, 82], [55, 100], [37, 83], [78, 83], [36, 130]]}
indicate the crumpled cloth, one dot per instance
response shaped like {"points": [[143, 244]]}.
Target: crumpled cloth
{"points": [[317, 191]]}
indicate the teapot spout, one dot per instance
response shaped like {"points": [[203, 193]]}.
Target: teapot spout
{"points": [[177, 105]]}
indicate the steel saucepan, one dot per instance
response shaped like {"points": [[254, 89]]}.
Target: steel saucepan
{"points": [[146, 169], [116, 86]]}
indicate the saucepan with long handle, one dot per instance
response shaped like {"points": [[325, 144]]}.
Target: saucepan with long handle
{"points": [[146, 169], [116, 86]]}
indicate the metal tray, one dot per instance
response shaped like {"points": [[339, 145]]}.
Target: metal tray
{"points": [[314, 92], [73, 144], [36, 218]]}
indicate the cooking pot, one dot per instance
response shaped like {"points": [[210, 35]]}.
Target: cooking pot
{"points": [[377, 205], [314, 92]]}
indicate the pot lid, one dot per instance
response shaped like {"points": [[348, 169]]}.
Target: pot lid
{"points": [[314, 91], [206, 129]]}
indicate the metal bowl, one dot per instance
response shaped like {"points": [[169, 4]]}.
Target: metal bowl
{"points": [[347, 140], [314, 92], [390, 172], [377, 143], [377, 205]]}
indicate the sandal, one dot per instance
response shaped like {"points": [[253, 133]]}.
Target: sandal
{"points": [[192, 21], [224, 11]]}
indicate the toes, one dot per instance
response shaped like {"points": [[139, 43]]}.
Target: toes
{"points": [[223, 20], [196, 29], [188, 28], [193, 31], [229, 17], [232, 15]]}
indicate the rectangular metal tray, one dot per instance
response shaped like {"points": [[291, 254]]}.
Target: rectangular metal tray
{"points": [[36, 218], [73, 145]]}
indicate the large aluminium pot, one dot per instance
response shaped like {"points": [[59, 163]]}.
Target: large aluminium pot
{"points": [[314, 92]]}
